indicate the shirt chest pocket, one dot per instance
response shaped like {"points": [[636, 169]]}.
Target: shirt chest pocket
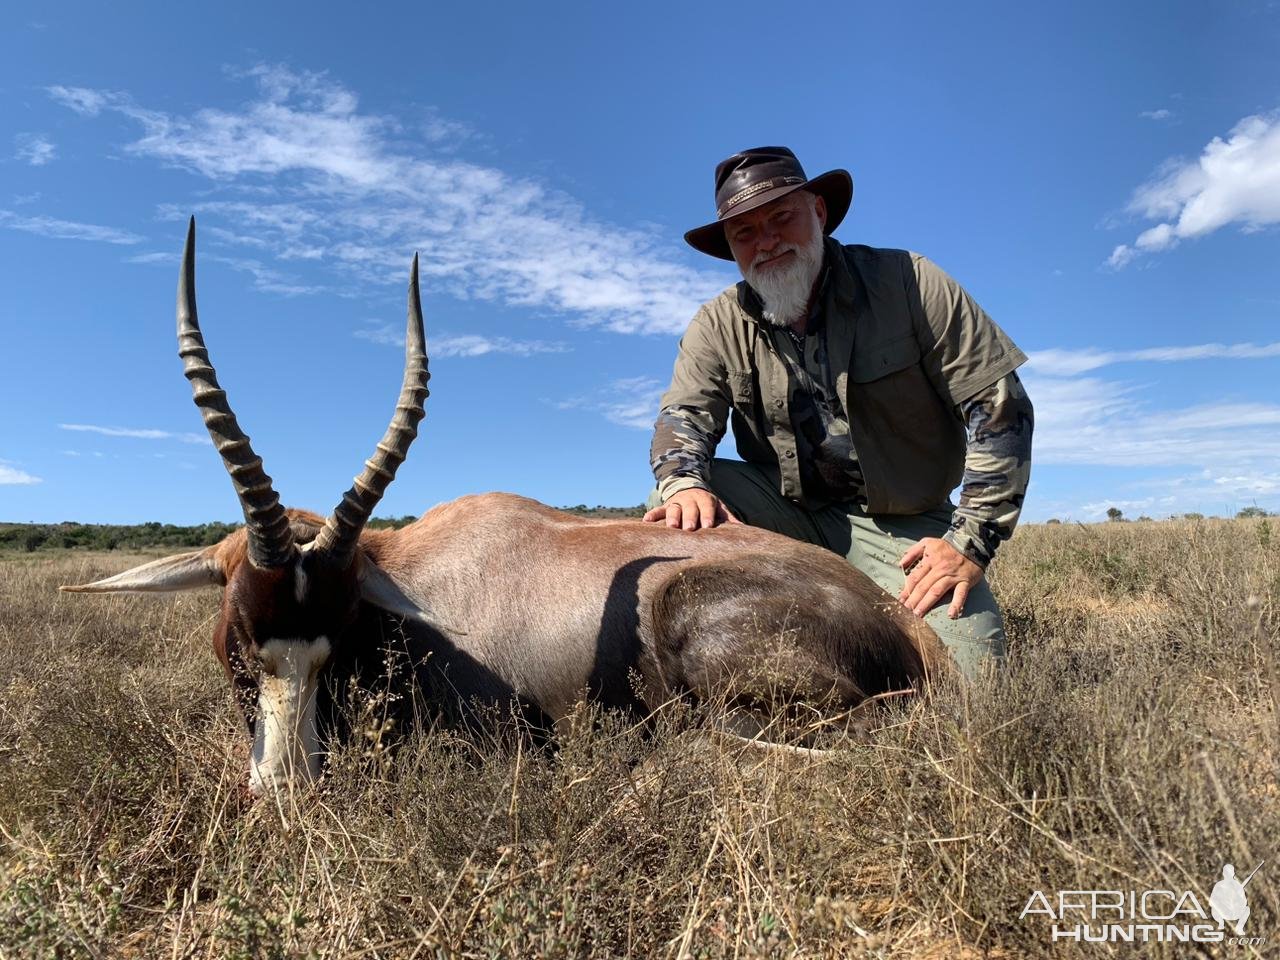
{"points": [[742, 390], [881, 359]]}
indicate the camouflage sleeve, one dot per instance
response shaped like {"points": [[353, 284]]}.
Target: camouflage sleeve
{"points": [[997, 467], [694, 412]]}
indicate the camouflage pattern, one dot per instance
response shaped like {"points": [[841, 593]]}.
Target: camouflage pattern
{"points": [[997, 469], [829, 469], [684, 440]]}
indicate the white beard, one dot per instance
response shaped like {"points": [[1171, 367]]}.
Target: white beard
{"points": [[785, 290]]}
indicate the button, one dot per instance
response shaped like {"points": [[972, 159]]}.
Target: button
{"points": [[791, 454], [778, 404]]}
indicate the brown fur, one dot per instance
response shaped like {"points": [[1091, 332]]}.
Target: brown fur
{"points": [[687, 611], [504, 601]]}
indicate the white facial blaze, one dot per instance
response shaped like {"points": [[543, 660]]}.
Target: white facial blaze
{"points": [[286, 744]]}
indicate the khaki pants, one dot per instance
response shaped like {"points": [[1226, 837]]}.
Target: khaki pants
{"points": [[872, 544]]}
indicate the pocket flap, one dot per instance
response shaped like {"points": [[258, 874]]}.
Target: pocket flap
{"points": [[882, 359], [740, 383]]}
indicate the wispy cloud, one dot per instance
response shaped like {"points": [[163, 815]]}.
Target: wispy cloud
{"points": [[439, 129], [345, 187], [155, 256], [1223, 452], [83, 101], [1201, 490], [1236, 180], [12, 476], [265, 278], [462, 345], [34, 148], [136, 433], [1160, 114], [631, 402], [1094, 421], [268, 279], [66, 229], [1057, 362]]}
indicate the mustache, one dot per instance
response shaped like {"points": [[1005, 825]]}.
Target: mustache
{"points": [[774, 253]]}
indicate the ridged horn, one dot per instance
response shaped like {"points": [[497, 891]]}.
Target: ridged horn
{"points": [[342, 530], [270, 539]]}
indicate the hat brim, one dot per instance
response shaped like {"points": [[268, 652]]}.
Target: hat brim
{"points": [[834, 186]]}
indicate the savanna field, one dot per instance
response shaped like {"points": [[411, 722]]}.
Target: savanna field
{"points": [[1132, 743]]}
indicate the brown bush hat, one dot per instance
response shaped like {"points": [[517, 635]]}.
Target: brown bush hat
{"points": [[758, 176]]}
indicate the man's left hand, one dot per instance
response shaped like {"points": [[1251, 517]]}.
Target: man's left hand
{"points": [[939, 569]]}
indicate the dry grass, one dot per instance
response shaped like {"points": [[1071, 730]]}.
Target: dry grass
{"points": [[1132, 743]]}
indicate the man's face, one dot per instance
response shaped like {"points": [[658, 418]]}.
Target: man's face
{"points": [[778, 248], [768, 238]]}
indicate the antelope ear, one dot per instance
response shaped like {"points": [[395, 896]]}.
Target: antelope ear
{"points": [[380, 589], [183, 571]]}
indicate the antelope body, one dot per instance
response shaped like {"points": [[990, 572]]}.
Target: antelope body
{"points": [[497, 600]]}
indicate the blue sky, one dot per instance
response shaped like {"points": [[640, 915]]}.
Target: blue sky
{"points": [[1105, 179]]}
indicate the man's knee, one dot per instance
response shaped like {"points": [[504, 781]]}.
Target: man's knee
{"points": [[654, 500], [976, 639]]}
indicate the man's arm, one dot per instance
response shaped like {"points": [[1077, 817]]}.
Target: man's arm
{"points": [[997, 468], [997, 461], [969, 360], [691, 423]]}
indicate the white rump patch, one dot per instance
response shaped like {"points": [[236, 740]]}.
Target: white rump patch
{"points": [[286, 744]]}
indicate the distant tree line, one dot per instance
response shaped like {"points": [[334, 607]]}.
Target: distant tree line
{"points": [[1116, 515], [100, 536], [30, 537]]}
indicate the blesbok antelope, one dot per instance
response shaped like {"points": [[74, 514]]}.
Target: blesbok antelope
{"points": [[500, 600]]}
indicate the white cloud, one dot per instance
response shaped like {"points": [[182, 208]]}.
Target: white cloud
{"points": [[1203, 491], [1236, 180], [1160, 114], [1095, 421], [341, 184], [136, 433], [463, 345], [266, 278], [439, 129], [1226, 454], [472, 345], [631, 402], [153, 257], [66, 229], [88, 103], [12, 476], [1057, 362], [34, 148]]}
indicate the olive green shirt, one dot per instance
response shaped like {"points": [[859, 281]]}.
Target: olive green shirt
{"points": [[907, 345]]}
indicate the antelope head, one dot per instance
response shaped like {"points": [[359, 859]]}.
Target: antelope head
{"points": [[286, 603]]}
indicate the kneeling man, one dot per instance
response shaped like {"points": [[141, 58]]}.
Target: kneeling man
{"points": [[864, 385]]}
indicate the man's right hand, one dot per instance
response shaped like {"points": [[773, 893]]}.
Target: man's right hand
{"points": [[691, 510]]}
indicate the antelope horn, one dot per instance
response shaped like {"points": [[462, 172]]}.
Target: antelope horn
{"points": [[270, 539], [341, 531]]}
